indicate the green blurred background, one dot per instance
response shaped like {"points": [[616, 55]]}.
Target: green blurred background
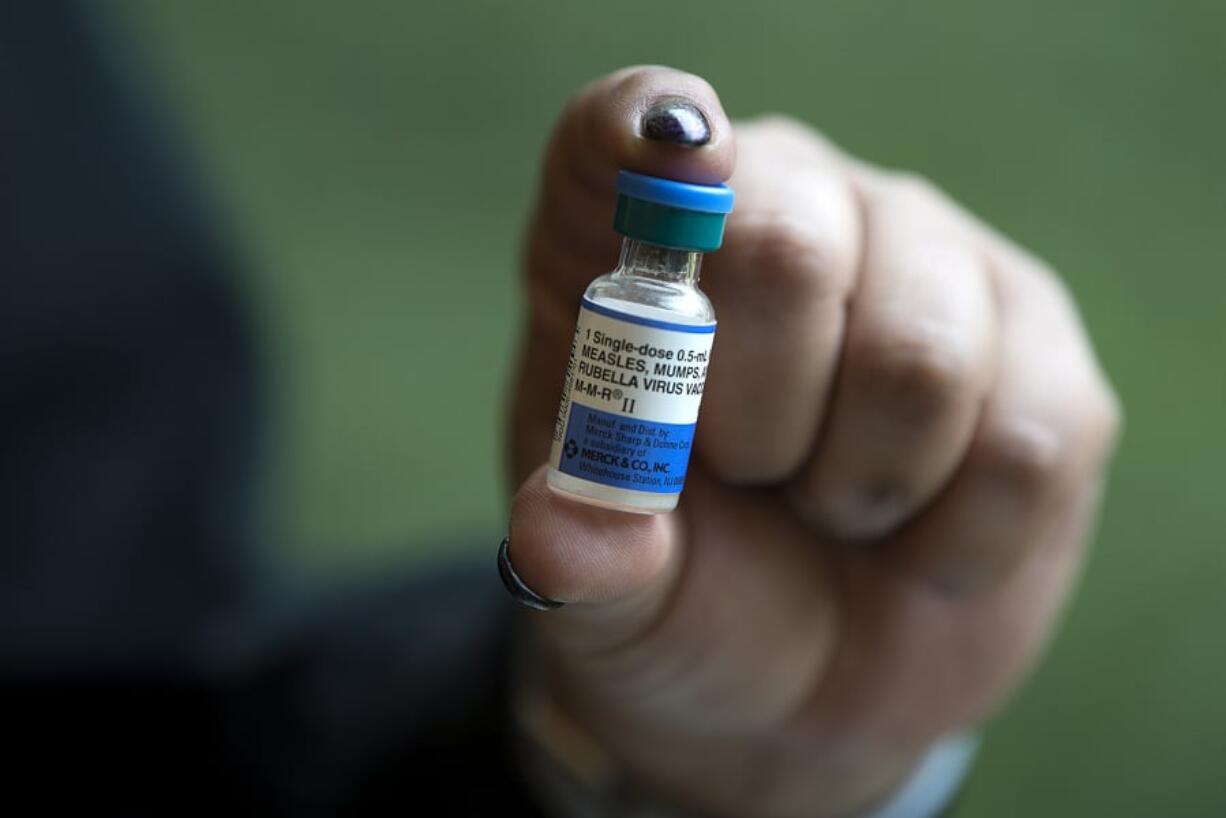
{"points": [[377, 159]]}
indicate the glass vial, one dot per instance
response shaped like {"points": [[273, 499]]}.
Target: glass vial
{"points": [[642, 346]]}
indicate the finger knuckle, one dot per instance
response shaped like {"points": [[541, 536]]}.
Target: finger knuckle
{"points": [[802, 261], [1090, 413], [1029, 454], [1046, 451], [923, 370]]}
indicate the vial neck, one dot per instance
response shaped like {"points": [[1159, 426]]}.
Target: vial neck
{"points": [[661, 263]]}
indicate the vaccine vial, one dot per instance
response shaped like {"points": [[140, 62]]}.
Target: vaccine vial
{"points": [[639, 358]]}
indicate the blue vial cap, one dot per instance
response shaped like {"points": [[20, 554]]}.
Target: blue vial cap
{"points": [[670, 213], [683, 195]]}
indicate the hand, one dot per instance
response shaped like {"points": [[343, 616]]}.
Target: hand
{"points": [[899, 456]]}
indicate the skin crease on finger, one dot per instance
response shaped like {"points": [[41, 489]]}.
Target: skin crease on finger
{"points": [[751, 658]]}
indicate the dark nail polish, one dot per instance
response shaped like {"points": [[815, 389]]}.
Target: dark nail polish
{"points": [[677, 121], [520, 592]]}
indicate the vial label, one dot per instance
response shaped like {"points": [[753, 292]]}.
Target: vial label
{"points": [[630, 403]]}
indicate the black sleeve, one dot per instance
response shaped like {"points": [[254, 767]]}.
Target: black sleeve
{"points": [[147, 657]]}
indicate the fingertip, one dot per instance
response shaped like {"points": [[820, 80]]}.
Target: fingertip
{"points": [[647, 119], [680, 127], [650, 119]]}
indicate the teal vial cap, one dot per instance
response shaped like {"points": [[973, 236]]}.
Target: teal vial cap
{"points": [[671, 214]]}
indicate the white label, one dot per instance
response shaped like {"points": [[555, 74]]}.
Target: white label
{"points": [[631, 398]]}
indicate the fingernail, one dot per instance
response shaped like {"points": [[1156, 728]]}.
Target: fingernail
{"points": [[676, 120], [515, 586]]}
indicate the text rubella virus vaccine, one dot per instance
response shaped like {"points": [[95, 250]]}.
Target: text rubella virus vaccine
{"points": [[639, 359]]}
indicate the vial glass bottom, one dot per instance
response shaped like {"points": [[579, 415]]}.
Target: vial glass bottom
{"points": [[595, 494]]}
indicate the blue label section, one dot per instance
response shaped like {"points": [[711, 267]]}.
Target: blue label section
{"points": [[624, 452], [630, 318]]}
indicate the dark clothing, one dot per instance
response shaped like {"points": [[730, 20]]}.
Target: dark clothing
{"points": [[149, 656], [392, 701]]}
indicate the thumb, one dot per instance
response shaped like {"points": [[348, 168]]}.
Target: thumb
{"points": [[649, 119], [609, 572]]}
